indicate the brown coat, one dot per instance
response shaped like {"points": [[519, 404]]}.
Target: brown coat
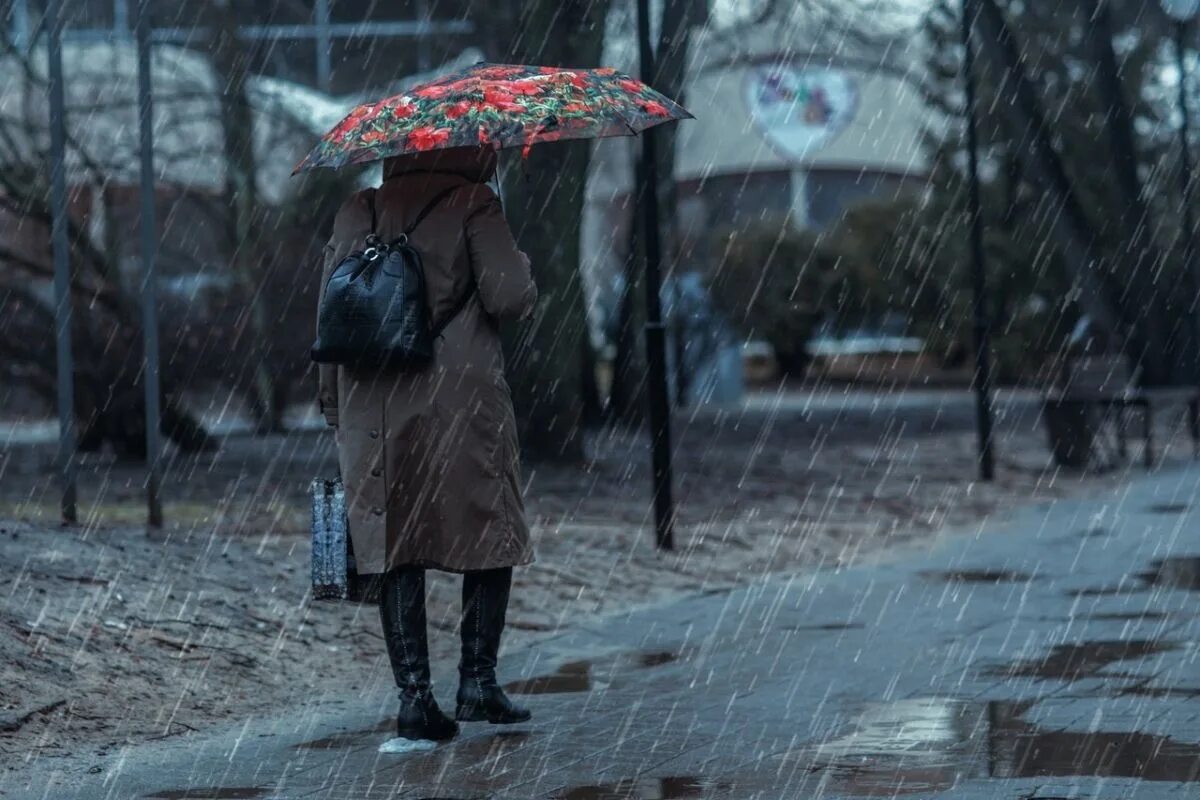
{"points": [[430, 459]]}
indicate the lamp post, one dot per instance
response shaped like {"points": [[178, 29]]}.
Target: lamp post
{"points": [[150, 355], [1182, 12], [982, 324], [656, 351], [61, 246]]}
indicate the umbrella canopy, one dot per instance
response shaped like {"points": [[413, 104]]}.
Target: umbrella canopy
{"points": [[498, 105]]}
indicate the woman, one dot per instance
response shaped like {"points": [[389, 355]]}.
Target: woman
{"points": [[430, 458]]}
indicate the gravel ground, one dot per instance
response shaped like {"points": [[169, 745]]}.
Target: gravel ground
{"points": [[111, 634]]}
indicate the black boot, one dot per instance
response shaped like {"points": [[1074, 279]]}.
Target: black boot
{"points": [[485, 600], [402, 612]]}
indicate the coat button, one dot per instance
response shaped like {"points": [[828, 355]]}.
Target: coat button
{"points": [[374, 434], [377, 511], [377, 472]]}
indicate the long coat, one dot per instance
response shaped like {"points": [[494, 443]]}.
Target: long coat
{"points": [[430, 459]]}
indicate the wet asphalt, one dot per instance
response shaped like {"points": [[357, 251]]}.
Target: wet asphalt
{"points": [[1049, 655]]}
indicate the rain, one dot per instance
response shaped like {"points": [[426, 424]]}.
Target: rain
{"points": [[599, 399]]}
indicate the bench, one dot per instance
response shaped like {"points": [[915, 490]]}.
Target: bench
{"points": [[1109, 383]]}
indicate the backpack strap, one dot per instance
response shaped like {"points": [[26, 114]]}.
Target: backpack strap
{"points": [[459, 306], [432, 204]]}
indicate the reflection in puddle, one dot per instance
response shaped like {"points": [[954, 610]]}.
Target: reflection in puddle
{"points": [[1020, 750], [1072, 662], [1182, 572], [585, 676], [210, 793], [930, 745], [978, 576], [914, 746], [349, 738], [675, 788]]}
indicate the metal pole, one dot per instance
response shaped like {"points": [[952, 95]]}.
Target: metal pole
{"points": [[121, 17], [656, 356], [61, 244], [149, 225], [423, 37], [1185, 168], [20, 24], [983, 371], [323, 44]]}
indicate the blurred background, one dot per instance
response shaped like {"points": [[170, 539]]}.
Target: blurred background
{"points": [[815, 216]]}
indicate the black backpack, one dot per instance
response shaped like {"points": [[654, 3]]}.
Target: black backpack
{"points": [[374, 313]]}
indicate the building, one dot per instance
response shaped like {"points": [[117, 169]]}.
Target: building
{"points": [[781, 131]]}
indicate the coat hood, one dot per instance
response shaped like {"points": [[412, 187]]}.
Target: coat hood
{"points": [[476, 164]]}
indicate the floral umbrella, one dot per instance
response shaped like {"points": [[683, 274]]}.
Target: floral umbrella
{"points": [[498, 105]]}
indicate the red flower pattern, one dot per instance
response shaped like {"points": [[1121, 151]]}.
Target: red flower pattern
{"points": [[655, 108], [428, 137], [459, 109], [499, 105]]}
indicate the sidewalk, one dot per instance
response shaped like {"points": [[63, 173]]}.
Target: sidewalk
{"points": [[1054, 656]]}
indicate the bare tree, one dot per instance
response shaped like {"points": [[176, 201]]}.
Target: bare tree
{"points": [[231, 62]]}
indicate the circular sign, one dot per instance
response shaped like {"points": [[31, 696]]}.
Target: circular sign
{"points": [[800, 110]]}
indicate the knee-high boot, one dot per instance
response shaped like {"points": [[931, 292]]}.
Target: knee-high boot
{"points": [[485, 601], [402, 612]]}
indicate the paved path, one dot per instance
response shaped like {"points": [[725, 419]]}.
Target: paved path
{"points": [[1053, 655]]}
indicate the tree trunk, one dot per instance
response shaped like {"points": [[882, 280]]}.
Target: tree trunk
{"points": [[231, 63], [627, 396], [1145, 311], [1072, 227], [544, 201]]}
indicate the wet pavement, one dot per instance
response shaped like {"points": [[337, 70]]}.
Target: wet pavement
{"points": [[1051, 655]]}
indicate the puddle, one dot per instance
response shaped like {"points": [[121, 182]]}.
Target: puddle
{"points": [[1106, 591], [1094, 533], [674, 788], [1182, 572], [978, 576], [656, 658], [586, 676], [1129, 616], [917, 746], [210, 793], [926, 746], [349, 738], [827, 626], [1072, 662], [1167, 508], [1181, 692], [573, 677], [1017, 749]]}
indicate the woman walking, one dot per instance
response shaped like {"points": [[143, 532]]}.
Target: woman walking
{"points": [[429, 457]]}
